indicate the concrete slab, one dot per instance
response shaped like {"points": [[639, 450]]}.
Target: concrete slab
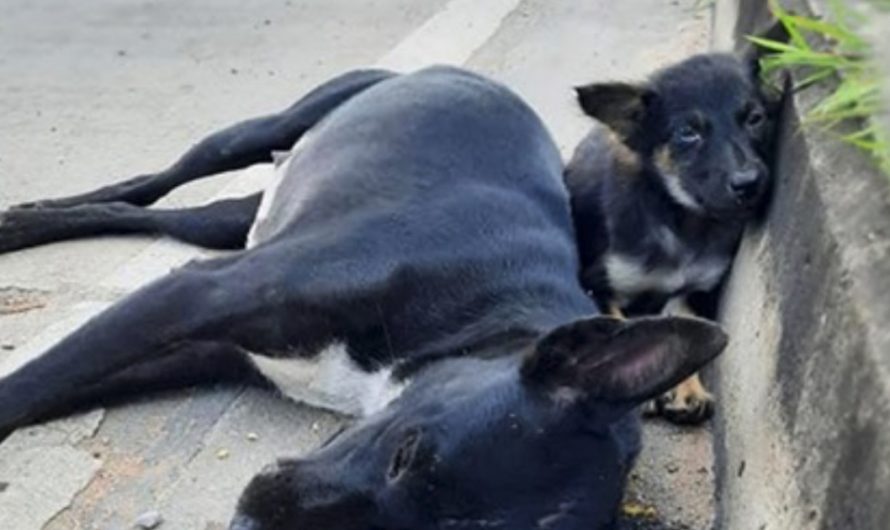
{"points": [[100, 92], [31, 455]]}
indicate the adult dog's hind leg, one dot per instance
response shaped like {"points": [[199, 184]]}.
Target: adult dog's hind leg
{"points": [[235, 147], [222, 224]]}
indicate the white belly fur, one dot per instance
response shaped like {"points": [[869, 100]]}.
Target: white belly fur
{"points": [[279, 169], [274, 181], [331, 380]]}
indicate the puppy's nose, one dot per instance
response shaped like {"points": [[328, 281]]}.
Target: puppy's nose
{"points": [[744, 183]]}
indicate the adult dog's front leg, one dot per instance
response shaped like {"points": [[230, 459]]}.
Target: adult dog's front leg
{"points": [[217, 300], [190, 364]]}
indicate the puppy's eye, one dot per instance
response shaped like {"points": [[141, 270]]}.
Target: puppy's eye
{"points": [[755, 118], [688, 135]]}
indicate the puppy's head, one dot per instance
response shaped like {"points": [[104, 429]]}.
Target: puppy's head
{"points": [[702, 128]]}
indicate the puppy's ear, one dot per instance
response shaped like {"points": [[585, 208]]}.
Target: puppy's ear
{"points": [[623, 362], [622, 107]]}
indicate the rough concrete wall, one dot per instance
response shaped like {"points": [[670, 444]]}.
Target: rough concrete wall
{"points": [[804, 426]]}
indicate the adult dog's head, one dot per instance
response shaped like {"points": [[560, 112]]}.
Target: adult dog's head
{"points": [[541, 439], [703, 127]]}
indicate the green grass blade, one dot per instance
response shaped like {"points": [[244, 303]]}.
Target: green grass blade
{"points": [[841, 54], [772, 44], [845, 38], [784, 17]]}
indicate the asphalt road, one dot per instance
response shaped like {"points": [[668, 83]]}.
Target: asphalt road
{"points": [[92, 92]]}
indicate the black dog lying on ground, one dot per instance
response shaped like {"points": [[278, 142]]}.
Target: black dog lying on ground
{"points": [[418, 249], [661, 197]]}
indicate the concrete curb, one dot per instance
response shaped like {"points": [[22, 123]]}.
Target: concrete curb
{"points": [[803, 438]]}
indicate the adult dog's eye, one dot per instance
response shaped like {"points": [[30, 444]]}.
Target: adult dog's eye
{"points": [[334, 436], [755, 118], [688, 135]]}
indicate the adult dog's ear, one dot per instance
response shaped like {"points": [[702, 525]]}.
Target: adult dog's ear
{"points": [[622, 107], [622, 362]]}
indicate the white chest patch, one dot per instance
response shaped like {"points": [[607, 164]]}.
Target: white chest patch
{"points": [[628, 276], [330, 380]]}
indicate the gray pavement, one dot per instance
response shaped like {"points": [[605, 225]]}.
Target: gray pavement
{"points": [[92, 92]]}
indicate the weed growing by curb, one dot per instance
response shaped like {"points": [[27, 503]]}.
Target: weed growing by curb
{"points": [[834, 53]]}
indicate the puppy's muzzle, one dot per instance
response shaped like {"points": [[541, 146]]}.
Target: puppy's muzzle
{"points": [[745, 184]]}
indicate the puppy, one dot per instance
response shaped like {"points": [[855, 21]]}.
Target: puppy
{"points": [[662, 193]]}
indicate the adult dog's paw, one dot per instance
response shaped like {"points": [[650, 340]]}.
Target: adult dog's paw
{"points": [[21, 229], [136, 191], [46, 204], [687, 404], [26, 206]]}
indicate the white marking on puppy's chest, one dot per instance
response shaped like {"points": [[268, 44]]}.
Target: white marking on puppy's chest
{"points": [[628, 276], [330, 380]]}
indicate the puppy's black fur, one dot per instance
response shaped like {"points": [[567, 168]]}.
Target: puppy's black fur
{"points": [[661, 195]]}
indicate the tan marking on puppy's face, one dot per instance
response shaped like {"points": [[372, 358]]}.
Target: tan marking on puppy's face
{"points": [[669, 171], [627, 162], [664, 162]]}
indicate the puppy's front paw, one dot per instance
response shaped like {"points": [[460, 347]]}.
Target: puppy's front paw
{"points": [[687, 404]]}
